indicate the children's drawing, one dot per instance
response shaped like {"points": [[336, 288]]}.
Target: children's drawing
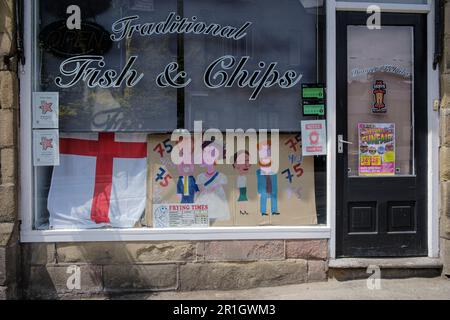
{"points": [[242, 194], [212, 184], [187, 186], [242, 165], [267, 180]]}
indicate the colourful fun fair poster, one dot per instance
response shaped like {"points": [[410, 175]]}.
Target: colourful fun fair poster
{"points": [[376, 149]]}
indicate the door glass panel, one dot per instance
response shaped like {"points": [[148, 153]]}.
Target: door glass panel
{"points": [[380, 101]]}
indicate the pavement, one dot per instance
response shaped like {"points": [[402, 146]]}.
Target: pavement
{"points": [[390, 289]]}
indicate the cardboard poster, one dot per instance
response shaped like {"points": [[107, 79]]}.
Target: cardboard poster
{"points": [[46, 148], [235, 195], [314, 137], [45, 110], [180, 216], [376, 149]]}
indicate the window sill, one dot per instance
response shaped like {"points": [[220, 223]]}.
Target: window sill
{"points": [[147, 234]]}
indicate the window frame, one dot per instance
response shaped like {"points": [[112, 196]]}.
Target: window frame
{"points": [[28, 235], [26, 207], [433, 117]]}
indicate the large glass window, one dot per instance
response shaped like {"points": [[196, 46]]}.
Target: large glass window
{"points": [[137, 70], [142, 107], [285, 35]]}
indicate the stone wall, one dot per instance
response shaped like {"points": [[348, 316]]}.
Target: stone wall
{"points": [[9, 249], [106, 269], [445, 147]]}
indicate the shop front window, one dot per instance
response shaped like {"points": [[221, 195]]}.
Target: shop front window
{"points": [[135, 72]]}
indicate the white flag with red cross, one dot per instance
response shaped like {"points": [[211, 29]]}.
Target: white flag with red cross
{"points": [[101, 181]]}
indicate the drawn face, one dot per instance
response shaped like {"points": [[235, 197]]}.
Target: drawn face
{"points": [[185, 169], [242, 164], [210, 155], [265, 155]]}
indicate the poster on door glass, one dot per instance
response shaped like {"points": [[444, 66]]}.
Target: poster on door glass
{"points": [[376, 149]]}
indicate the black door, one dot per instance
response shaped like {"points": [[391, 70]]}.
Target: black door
{"points": [[382, 136]]}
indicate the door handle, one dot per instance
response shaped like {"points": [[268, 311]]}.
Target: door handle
{"points": [[341, 142], [346, 142]]}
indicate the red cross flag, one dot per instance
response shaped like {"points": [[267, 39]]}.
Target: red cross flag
{"points": [[101, 181]]}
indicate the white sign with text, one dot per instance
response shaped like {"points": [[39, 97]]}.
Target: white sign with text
{"points": [[45, 110], [46, 148], [314, 138], [180, 216]]}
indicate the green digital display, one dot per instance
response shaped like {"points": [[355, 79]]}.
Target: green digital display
{"points": [[313, 93], [313, 99], [314, 110]]}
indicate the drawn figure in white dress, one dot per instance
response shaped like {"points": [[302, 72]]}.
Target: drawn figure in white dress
{"points": [[211, 184]]}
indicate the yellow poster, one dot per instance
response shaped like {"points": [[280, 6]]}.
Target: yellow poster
{"points": [[376, 149]]}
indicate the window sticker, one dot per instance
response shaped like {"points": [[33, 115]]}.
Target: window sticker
{"points": [[46, 148], [379, 91], [314, 137], [45, 110]]}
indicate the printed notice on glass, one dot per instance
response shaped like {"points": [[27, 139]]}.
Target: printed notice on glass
{"points": [[376, 149], [314, 138], [180, 216], [45, 148], [45, 107]]}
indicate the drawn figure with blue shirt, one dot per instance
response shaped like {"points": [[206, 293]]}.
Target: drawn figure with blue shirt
{"points": [[187, 186], [267, 180]]}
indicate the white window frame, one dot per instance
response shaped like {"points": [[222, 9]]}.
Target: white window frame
{"points": [[240, 233], [26, 207], [433, 117]]}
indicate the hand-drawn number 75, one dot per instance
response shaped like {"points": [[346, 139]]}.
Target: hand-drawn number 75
{"points": [[165, 146]]}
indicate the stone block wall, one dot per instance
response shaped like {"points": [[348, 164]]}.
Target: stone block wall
{"points": [[106, 269], [445, 147], [9, 103]]}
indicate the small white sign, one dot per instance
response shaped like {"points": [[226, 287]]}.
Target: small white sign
{"points": [[46, 148], [180, 216], [45, 110], [314, 138]]}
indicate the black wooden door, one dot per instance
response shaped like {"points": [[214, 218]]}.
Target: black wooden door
{"points": [[382, 136]]}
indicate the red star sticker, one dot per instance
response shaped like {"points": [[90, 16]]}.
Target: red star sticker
{"points": [[46, 107], [46, 143]]}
